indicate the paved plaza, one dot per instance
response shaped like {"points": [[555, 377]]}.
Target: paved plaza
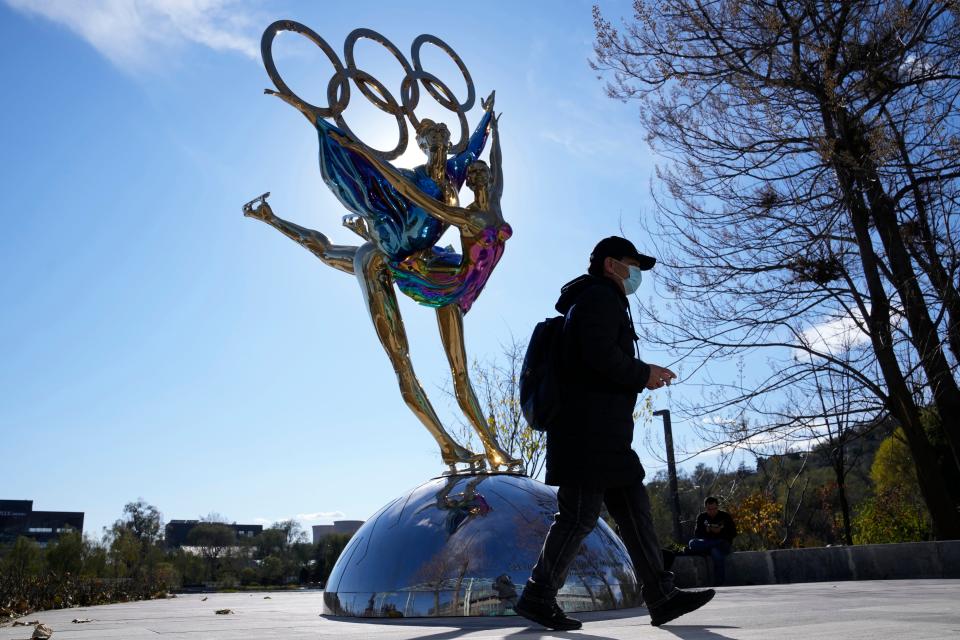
{"points": [[872, 610]]}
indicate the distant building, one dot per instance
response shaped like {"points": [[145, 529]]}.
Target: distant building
{"points": [[17, 518], [779, 459], [349, 527], [176, 532]]}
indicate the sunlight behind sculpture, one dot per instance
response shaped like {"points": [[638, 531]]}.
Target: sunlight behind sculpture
{"points": [[401, 213], [338, 88]]}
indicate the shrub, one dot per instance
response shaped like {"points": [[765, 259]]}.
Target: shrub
{"points": [[890, 516]]}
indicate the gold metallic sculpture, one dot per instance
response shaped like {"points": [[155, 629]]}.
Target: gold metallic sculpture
{"points": [[401, 213]]}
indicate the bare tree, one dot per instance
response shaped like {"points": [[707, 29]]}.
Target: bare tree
{"points": [[843, 422], [497, 383], [826, 412], [784, 482], [812, 182]]}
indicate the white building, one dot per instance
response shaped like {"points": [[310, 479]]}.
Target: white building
{"points": [[320, 531]]}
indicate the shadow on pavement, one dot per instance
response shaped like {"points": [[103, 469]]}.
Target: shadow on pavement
{"points": [[696, 632], [533, 631], [468, 625]]}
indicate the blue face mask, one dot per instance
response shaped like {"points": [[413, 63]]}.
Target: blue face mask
{"points": [[632, 282]]}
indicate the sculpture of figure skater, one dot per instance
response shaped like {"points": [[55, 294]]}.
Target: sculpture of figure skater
{"points": [[397, 228], [393, 223], [441, 278]]}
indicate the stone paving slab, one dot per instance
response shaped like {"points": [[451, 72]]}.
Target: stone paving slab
{"points": [[870, 610]]}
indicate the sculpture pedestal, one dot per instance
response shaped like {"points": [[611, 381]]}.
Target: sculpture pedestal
{"points": [[463, 546]]}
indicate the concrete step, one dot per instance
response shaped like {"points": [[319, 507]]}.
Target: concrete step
{"points": [[908, 560]]}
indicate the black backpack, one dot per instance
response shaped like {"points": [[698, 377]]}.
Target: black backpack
{"points": [[541, 396]]}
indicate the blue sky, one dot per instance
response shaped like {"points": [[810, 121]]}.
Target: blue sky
{"points": [[157, 344]]}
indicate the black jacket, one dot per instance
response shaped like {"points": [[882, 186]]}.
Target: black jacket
{"points": [[590, 445], [723, 527]]}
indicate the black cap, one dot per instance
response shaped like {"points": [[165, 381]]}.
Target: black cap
{"points": [[619, 248]]}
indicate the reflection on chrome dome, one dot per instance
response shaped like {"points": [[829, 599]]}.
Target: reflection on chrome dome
{"points": [[464, 545]]}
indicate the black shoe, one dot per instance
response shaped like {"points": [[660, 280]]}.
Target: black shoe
{"points": [[681, 603], [549, 614]]}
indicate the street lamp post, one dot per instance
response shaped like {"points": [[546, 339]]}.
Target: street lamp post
{"points": [[672, 473]]}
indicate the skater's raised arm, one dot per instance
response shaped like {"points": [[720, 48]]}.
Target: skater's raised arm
{"points": [[456, 216], [496, 161], [296, 104]]}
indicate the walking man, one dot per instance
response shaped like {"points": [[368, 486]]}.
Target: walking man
{"points": [[589, 454]]}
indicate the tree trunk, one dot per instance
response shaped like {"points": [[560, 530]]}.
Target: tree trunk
{"points": [[925, 250], [923, 333], [943, 509], [840, 471], [844, 507]]}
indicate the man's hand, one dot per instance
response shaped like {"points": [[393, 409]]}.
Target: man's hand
{"points": [[659, 376]]}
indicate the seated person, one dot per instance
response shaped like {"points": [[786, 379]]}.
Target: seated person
{"points": [[714, 536]]}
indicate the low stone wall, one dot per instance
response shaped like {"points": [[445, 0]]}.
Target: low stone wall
{"points": [[827, 564]]}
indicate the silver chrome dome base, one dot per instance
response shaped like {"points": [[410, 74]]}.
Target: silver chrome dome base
{"points": [[463, 545]]}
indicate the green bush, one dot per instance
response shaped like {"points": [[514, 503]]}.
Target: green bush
{"points": [[132, 563], [890, 517]]}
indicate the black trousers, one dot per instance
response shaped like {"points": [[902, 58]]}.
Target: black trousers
{"points": [[579, 509]]}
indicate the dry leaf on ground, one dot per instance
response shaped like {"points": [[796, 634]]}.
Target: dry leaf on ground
{"points": [[42, 632], [21, 623]]}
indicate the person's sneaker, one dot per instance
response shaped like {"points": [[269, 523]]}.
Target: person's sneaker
{"points": [[682, 603], [549, 614]]}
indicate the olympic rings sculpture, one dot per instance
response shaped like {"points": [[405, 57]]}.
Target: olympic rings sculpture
{"points": [[338, 89]]}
